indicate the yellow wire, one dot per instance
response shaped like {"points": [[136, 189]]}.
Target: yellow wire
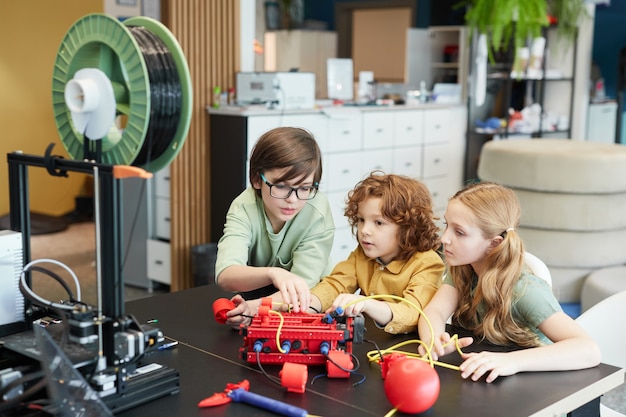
{"points": [[391, 412], [428, 357], [280, 326]]}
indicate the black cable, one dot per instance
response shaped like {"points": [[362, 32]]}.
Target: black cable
{"points": [[268, 376], [380, 354], [57, 278], [314, 309], [21, 380], [355, 361], [9, 404]]}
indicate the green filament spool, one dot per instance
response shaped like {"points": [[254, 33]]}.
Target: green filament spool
{"points": [[150, 82]]}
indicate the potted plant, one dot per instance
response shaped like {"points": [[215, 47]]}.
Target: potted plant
{"points": [[516, 21]]}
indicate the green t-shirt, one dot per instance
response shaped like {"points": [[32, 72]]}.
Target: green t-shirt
{"points": [[302, 246], [533, 302]]}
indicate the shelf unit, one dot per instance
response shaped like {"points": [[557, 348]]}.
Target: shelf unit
{"points": [[553, 91], [435, 66]]}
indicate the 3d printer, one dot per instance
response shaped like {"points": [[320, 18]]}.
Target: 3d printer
{"points": [[115, 123]]}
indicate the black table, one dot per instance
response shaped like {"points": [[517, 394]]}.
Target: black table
{"points": [[207, 358]]}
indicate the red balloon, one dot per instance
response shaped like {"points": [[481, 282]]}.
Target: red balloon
{"points": [[412, 385]]}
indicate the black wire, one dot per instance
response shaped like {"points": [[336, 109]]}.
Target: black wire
{"points": [[355, 361], [314, 309], [380, 354], [9, 404], [21, 380], [350, 371], [268, 376], [56, 278]]}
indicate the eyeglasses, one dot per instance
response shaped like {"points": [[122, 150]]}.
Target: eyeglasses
{"points": [[284, 191]]}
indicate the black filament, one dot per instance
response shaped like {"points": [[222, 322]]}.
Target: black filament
{"points": [[165, 96]]}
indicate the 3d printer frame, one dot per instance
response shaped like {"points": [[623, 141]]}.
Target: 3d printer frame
{"points": [[118, 328]]}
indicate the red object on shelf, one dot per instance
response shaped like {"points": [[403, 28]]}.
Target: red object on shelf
{"points": [[451, 53]]}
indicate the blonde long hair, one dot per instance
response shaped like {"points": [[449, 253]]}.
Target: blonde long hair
{"points": [[496, 212]]}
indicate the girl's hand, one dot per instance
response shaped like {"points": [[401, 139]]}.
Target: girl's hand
{"points": [[240, 314], [444, 345], [437, 349], [494, 364]]}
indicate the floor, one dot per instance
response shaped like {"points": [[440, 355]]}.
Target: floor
{"points": [[75, 247]]}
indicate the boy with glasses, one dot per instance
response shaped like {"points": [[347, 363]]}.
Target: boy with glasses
{"points": [[278, 232]]}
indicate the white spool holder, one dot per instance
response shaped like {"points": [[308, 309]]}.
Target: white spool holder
{"points": [[89, 97]]}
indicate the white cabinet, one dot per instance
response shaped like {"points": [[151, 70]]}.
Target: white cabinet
{"points": [[158, 247], [408, 127], [159, 261], [377, 130], [601, 122], [408, 161], [162, 220], [375, 160], [344, 133]]}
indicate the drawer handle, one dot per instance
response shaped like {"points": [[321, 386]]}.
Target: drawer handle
{"points": [[437, 160], [345, 171], [166, 178], [159, 262], [408, 164], [409, 128], [380, 130], [167, 219], [437, 126], [346, 132]]}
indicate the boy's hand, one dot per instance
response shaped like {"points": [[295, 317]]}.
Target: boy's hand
{"points": [[293, 289], [358, 307], [242, 312]]}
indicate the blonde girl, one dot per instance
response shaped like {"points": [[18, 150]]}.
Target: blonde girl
{"points": [[489, 291]]}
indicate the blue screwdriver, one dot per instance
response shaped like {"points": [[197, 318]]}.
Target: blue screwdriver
{"points": [[240, 395]]}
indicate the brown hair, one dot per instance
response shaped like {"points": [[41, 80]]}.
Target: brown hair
{"points": [[287, 147], [496, 212], [405, 202]]}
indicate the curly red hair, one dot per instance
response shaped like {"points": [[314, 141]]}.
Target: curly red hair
{"points": [[405, 202]]}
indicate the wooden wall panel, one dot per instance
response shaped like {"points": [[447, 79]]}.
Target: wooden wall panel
{"points": [[208, 32]]}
